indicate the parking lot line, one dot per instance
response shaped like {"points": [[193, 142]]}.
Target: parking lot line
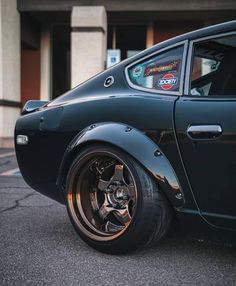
{"points": [[10, 172], [7, 154]]}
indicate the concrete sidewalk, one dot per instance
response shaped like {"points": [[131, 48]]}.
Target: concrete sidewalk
{"points": [[39, 247], [6, 150], [8, 163]]}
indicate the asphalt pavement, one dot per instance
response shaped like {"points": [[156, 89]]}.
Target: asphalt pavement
{"points": [[38, 246]]}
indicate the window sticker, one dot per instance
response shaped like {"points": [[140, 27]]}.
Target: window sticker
{"points": [[164, 67], [137, 71], [158, 72], [167, 81]]}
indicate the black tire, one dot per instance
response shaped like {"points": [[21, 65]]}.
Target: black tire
{"points": [[144, 214]]}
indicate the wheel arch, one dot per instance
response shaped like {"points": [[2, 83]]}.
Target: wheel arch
{"points": [[136, 144]]}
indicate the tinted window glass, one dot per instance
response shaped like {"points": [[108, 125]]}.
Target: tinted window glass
{"points": [[160, 72], [214, 68]]}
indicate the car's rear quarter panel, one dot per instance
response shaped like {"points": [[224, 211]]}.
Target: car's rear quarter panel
{"points": [[40, 160]]}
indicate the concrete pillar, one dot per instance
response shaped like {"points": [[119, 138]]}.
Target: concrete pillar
{"points": [[88, 42], [9, 70], [45, 64]]}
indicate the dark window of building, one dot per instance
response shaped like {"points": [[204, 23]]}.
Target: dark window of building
{"points": [[165, 30], [60, 59], [160, 72], [214, 68], [130, 39]]}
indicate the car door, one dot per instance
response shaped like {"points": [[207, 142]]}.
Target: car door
{"points": [[205, 122]]}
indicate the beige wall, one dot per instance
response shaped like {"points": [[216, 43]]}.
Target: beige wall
{"points": [[8, 116], [9, 65]]}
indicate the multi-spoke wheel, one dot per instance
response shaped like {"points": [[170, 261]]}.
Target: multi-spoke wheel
{"points": [[112, 201]]}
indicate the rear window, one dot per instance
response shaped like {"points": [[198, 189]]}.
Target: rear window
{"points": [[160, 72]]}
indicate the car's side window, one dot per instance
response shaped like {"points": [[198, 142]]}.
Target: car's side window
{"points": [[160, 72], [213, 71]]}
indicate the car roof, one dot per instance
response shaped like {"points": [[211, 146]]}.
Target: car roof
{"points": [[197, 34]]}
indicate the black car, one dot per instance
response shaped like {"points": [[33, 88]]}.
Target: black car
{"points": [[148, 140]]}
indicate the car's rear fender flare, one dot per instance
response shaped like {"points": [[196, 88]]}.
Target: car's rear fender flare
{"points": [[135, 143]]}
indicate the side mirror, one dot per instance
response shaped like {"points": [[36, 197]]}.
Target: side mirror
{"points": [[33, 105]]}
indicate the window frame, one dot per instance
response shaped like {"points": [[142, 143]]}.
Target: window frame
{"points": [[190, 56], [165, 92]]}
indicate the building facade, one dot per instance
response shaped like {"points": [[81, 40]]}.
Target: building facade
{"points": [[50, 46]]}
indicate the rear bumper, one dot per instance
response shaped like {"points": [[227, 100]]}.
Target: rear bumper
{"points": [[39, 160]]}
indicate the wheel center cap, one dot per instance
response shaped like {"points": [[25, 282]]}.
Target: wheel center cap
{"points": [[121, 193], [117, 194]]}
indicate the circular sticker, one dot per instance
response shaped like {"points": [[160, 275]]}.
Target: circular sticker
{"points": [[137, 71], [167, 81]]}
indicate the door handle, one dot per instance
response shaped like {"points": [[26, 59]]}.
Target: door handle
{"points": [[204, 132]]}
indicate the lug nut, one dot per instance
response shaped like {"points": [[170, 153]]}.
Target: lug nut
{"points": [[128, 129], [179, 196], [157, 153]]}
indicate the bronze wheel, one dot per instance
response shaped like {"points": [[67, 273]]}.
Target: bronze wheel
{"points": [[103, 196], [113, 203]]}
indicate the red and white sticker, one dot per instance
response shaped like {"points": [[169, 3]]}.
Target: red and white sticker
{"points": [[167, 81]]}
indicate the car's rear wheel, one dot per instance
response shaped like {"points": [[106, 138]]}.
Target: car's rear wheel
{"points": [[113, 204]]}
